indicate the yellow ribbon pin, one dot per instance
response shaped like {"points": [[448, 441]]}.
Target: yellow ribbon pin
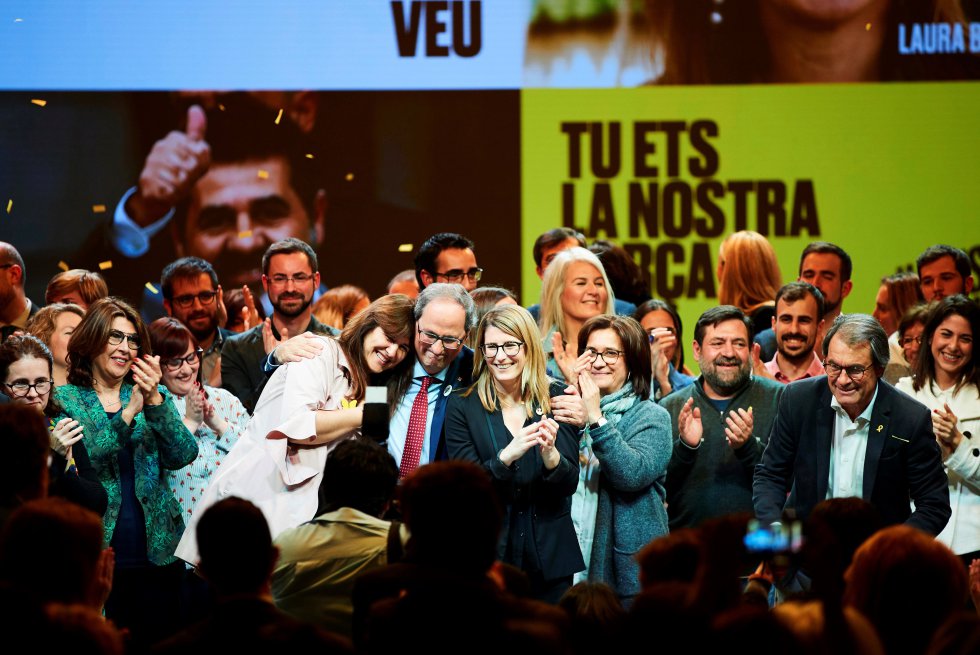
{"points": [[348, 404], [880, 428]]}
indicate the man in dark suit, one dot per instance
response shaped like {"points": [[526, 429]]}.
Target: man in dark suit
{"points": [[444, 315], [192, 295], [852, 434], [289, 276], [237, 557]]}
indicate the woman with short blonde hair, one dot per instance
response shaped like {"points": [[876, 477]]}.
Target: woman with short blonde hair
{"points": [[575, 289]]}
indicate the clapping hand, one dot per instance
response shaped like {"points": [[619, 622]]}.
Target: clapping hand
{"points": [[66, 433], [944, 425], [689, 424]]}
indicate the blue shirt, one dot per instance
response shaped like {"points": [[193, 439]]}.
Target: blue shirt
{"points": [[398, 428]]}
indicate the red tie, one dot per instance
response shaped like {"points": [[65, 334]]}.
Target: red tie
{"points": [[416, 431]]}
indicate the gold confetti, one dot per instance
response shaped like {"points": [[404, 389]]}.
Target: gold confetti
{"points": [[244, 235], [98, 209], [10, 205], [309, 155], [279, 117], [867, 27], [63, 265], [405, 247], [349, 177], [263, 175], [152, 289], [38, 102], [105, 265]]}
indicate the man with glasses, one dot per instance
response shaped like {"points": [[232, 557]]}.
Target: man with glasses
{"points": [[447, 257], [720, 423], [192, 295], [444, 315], [852, 434], [289, 276]]}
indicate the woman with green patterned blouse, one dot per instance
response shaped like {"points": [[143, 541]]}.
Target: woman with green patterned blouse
{"points": [[133, 434]]}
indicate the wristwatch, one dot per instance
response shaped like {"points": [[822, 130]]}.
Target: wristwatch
{"points": [[598, 424]]}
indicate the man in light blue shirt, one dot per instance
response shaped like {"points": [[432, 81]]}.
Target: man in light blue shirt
{"points": [[444, 315]]}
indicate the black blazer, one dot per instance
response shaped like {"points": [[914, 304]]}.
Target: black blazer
{"points": [[474, 435], [902, 460], [82, 485], [242, 356]]}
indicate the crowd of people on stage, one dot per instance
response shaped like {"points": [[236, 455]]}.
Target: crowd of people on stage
{"points": [[335, 470]]}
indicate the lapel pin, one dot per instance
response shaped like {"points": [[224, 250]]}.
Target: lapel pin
{"points": [[448, 390], [540, 411], [880, 428]]}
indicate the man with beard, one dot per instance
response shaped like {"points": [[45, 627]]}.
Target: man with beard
{"points": [[850, 434], [232, 180], [799, 306], [720, 423], [289, 276], [192, 295], [828, 267]]}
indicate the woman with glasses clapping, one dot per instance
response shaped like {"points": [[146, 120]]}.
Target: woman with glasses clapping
{"points": [[619, 505], [214, 416], [504, 423], [26, 370], [133, 433]]}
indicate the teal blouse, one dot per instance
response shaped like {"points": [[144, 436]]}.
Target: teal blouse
{"points": [[160, 441]]}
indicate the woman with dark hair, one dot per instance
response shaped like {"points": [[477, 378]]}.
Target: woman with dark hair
{"points": [[133, 434], [504, 423], [947, 381], [619, 505], [665, 332], [485, 299], [25, 368], [909, 339], [214, 416], [629, 282], [305, 410]]}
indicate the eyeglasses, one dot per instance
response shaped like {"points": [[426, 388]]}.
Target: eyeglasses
{"points": [[174, 363], [510, 348], [908, 341], [855, 372], [281, 280], [21, 388], [206, 298], [456, 275], [430, 338], [610, 357], [116, 337]]}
